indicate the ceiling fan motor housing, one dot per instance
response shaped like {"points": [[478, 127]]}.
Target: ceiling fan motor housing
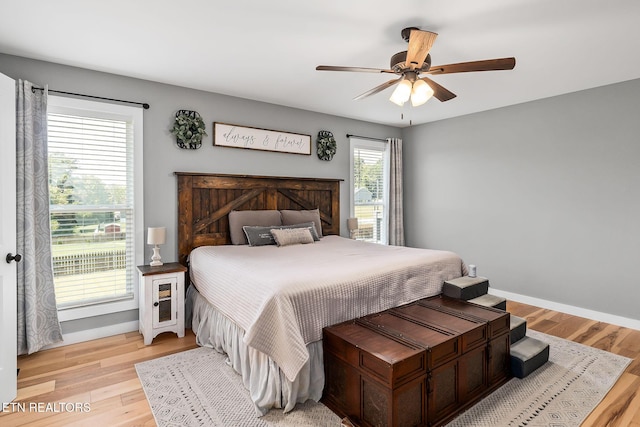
{"points": [[398, 62], [406, 33]]}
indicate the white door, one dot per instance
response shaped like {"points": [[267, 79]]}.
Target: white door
{"points": [[8, 319]]}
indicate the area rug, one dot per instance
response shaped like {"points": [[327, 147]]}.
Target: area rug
{"points": [[197, 388]]}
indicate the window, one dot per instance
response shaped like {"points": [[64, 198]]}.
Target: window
{"points": [[95, 194], [370, 190]]}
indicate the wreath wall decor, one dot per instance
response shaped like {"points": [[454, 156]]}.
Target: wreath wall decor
{"points": [[189, 129], [326, 145]]}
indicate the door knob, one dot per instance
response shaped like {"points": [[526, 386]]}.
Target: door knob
{"points": [[11, 257]]}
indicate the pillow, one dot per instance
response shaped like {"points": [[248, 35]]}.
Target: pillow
{"points": [[238, 219], [310, 225], [292, 236], [260, 236], [290, 217]]}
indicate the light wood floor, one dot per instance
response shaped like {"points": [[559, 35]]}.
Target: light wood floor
{"points": [[102, 374], [621, 407]]}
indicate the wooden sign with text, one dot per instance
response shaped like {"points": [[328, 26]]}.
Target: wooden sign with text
{"points": [[227, 135]]}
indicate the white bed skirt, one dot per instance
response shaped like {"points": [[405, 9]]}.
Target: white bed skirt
{"points": [[267, 384]]}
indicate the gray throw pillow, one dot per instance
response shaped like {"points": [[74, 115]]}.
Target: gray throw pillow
{"points": [[290, 217], [260, 236], [238, 219]]}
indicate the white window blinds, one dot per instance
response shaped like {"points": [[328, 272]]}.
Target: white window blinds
{"points": [[92, 206], [370, 189]]}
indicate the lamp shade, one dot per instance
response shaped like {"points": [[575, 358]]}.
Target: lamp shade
{"points": [[352, 224], [420, 93], [156, 235], [402, 93]]}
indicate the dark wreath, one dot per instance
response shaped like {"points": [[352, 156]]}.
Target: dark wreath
{"points": [[327, 145]]}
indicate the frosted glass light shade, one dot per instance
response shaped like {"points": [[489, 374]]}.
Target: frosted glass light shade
{"points": [[402, 93], [421, 93]]}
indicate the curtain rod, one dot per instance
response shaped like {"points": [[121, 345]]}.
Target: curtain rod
{"points": [[367, 137], [143, 104]]}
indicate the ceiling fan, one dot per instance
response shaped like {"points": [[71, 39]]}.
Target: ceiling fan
{"points": [[415, 61]]}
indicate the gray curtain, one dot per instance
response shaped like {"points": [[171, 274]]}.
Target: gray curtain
{"points": [[38, 323], [396, 215]]}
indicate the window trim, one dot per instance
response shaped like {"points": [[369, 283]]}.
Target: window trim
{"points": [[61, 104], [368, 144]]}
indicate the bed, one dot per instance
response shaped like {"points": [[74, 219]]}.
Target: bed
{"points": [[265, 306]]}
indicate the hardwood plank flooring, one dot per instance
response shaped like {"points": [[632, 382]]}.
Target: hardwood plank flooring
{"points": [[621, 406], [101, 373]]}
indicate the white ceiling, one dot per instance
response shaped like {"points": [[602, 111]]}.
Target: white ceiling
{"points": [[268, 50]]}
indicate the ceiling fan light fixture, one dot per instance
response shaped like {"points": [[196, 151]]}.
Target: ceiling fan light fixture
{"points": [[402, 93], [420, 93], [409, 64]]}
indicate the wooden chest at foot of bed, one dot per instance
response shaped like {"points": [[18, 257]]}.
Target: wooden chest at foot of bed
{"points": [[418, 364], [498, 328]]}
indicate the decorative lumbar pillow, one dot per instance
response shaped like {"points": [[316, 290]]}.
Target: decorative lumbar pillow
{"points": [[238, 219], [260, 236], [292, 236], [290, 217], [310, 225]]}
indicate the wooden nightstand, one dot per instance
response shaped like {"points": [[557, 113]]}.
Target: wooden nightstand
{"points": [[161, 299]]}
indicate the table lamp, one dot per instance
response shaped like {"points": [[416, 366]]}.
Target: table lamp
{"points": [[352, 226], [156, 236]]}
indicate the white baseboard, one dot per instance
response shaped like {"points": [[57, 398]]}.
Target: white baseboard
{"points": [[94, 334], [569, 309]]}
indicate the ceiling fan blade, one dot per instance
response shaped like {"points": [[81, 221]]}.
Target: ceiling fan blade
{"points": [[465, 67], [440, 92], [377, 89], [354, 69], [420, 43]]}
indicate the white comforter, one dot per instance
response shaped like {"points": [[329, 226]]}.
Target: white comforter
{"points": [[282, 297]]}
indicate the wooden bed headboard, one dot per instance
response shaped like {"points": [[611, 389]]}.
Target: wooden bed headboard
{"points": [[205, 200]]}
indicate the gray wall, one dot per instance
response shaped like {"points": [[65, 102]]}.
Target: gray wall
{"points": [[162, 157], [542, 196]]}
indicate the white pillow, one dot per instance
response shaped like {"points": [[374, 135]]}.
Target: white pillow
{"points": [[292, 236]]}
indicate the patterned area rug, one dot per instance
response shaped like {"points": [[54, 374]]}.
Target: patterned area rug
{"points": [[197, 388], [561, 393]]}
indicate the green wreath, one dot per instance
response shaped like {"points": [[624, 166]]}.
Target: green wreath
{"points": [[188, 129], [327, 145]]}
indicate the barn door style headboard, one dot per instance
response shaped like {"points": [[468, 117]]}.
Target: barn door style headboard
{"points": [[205, 200]]}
